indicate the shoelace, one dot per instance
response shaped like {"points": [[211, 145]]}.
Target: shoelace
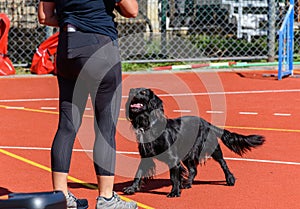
{"points": [[72, 197], [117, 197]]}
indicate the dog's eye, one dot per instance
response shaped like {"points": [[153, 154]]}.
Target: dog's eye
{"points": [[144, 92]]}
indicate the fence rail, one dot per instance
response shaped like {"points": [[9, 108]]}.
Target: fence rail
{"points": [[172, 30]]}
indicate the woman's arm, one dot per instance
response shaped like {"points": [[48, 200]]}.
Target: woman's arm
{"points": [[46, 14], [128, 8]]}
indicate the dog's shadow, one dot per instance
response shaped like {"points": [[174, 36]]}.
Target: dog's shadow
{"points": [[153, 184], [149, 186]]}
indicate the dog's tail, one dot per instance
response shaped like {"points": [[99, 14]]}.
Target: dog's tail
{"points": [[238, 143]]}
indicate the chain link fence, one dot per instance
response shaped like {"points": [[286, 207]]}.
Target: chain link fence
{"points": [[172, 30]]}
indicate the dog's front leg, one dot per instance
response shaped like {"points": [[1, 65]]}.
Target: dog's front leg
{"points": [[175, 179], [144, 167], [136, 185]]}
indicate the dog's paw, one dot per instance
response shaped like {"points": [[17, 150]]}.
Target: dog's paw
{"points": [[230, 180], [186, 186], [129, 190], [173, 194]]}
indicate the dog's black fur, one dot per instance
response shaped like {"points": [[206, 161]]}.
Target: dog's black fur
{"points": [[181, 143]]}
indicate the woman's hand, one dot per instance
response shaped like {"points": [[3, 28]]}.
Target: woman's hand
{"points": [[46, 14], [128, 8]]}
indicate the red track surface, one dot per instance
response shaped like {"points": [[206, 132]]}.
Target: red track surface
{"points": [[267, 178]]}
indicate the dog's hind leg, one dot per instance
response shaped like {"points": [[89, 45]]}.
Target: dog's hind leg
{"points": [[217, 155], [192, 169]]}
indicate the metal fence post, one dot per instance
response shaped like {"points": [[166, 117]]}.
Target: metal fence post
{"points": [[164, 27], [271, 31]]}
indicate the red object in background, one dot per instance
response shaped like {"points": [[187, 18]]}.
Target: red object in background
{"points": [[6, 66], [43, 61]]}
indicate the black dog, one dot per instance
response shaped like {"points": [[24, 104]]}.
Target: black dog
{"points": [[180, 143]]}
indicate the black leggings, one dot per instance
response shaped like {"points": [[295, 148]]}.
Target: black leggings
{"points": [[87, 64]]}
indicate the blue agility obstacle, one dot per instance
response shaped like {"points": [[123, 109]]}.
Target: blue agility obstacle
{"points": [[285, 48]]}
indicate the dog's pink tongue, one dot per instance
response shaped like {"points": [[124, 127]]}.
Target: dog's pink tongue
{"points": [[138, 105]]}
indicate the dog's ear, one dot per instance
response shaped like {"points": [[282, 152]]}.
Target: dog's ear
{"points": [[157, 114], [127, 104], [155, 102], [127, 110]]}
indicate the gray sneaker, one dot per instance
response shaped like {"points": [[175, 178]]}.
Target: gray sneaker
{"points": [[74, 203], [115, 203]]}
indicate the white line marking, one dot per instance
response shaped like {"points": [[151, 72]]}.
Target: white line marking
{"points": [[29, 100], [118, 152], [48, 108], [214, 112], [233, 92], [24, 148], [128, 153], [282, 114], [182, 111], [48, 149], [15, 108], [263, 161], [174, 95], [136, 153], [248, 113], [88, 108]]}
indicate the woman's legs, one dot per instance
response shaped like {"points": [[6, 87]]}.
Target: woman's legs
{"points": [[59, 182], [106, 102], [106, 93], [102, 73], [107, 106], [71, 108], [105, 185]]}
